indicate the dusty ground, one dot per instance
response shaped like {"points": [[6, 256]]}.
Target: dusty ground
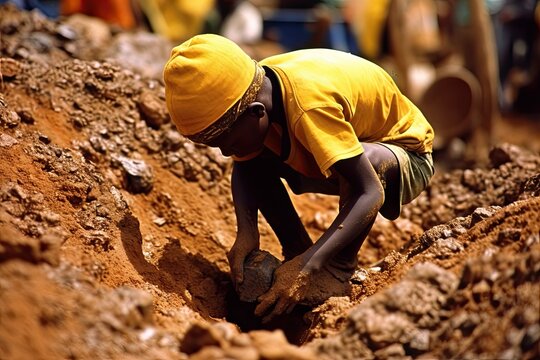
{"points": [[114, 229]]}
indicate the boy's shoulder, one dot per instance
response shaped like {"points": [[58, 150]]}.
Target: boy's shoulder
{"points": [[325, 64], [319, 55]]}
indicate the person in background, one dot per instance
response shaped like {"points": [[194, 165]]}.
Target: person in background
{"points": [[526, 99], [516, 32], [324, 120], [322, 12], [177, 20], [237, 20]]}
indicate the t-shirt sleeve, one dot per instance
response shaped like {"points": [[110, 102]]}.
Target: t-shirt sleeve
{"points": [[325, 133]]}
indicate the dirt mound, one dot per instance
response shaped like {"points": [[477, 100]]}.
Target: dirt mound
{"points": [[455, 291], [114, 231]]}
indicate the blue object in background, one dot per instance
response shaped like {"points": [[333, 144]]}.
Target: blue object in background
{"points": [[50, 8], [293, 29]]}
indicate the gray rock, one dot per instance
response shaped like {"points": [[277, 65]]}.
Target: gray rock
{"points": [[138, 175], [153, 109], [7, 141], [259, 268], [483, 213]]}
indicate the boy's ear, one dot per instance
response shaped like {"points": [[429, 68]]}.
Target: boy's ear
{"points": [[257, 109]]}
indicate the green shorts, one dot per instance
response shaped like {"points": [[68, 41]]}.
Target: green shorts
{"points": [[416, 172]]}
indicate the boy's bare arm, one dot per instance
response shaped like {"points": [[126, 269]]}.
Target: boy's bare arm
{"points": [[357, 213], [354, 219], [246, 209]]}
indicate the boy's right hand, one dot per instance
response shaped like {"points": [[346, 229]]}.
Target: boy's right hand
{"points": [[243, 245]]}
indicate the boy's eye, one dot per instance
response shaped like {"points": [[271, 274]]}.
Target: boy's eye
{"points": [[220, 140]]}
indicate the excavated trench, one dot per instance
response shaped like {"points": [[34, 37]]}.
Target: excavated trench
{"points": [[241, 313]]}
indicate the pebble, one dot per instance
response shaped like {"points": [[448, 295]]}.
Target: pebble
{"points": [[7, 141], [480, 289], [515, 336], [44, 139], [446, 233], [159, 221], [51, 217], [9, 118], [359, 276], [445, 248], [482, 213], [152, 109], [138, 175], [420, 340], [10, 68], [499, 156], [532, 239], [147, 333], [532, 336], [67, 32], [97, 144], [26, 116], [172, 140]]}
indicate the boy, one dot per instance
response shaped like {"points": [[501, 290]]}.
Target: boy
{"points": [[323, 120]]}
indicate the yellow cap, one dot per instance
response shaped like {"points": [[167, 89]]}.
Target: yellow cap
{"points": [[204, 77]]}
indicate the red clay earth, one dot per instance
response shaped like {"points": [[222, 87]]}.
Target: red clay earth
{"points": [[114, 231]]}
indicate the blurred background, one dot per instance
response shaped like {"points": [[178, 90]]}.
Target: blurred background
{"points": [[472, 66]]}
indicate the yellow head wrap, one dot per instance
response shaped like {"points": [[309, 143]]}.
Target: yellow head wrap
{"points": [[209, 82]]}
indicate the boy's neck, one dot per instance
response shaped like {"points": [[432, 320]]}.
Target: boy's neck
{"points": [[276, 112]]}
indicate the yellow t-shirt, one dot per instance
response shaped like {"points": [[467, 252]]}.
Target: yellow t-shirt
{"points": [[333, 101]]}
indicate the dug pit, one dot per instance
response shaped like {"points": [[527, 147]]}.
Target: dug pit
{"points": [[259, 268]]}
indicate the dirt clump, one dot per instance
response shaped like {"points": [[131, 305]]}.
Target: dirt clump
{"points": [[114, 231]]}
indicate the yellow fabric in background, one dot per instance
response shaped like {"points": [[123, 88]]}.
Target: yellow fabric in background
{"points": [[368, 21], [334, 100], [177, 20]]}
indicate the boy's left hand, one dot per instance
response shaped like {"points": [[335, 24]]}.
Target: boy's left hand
{"points": [[290, 287]]}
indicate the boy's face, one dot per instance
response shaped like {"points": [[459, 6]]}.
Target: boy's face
{"points": [[246, 135]]}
